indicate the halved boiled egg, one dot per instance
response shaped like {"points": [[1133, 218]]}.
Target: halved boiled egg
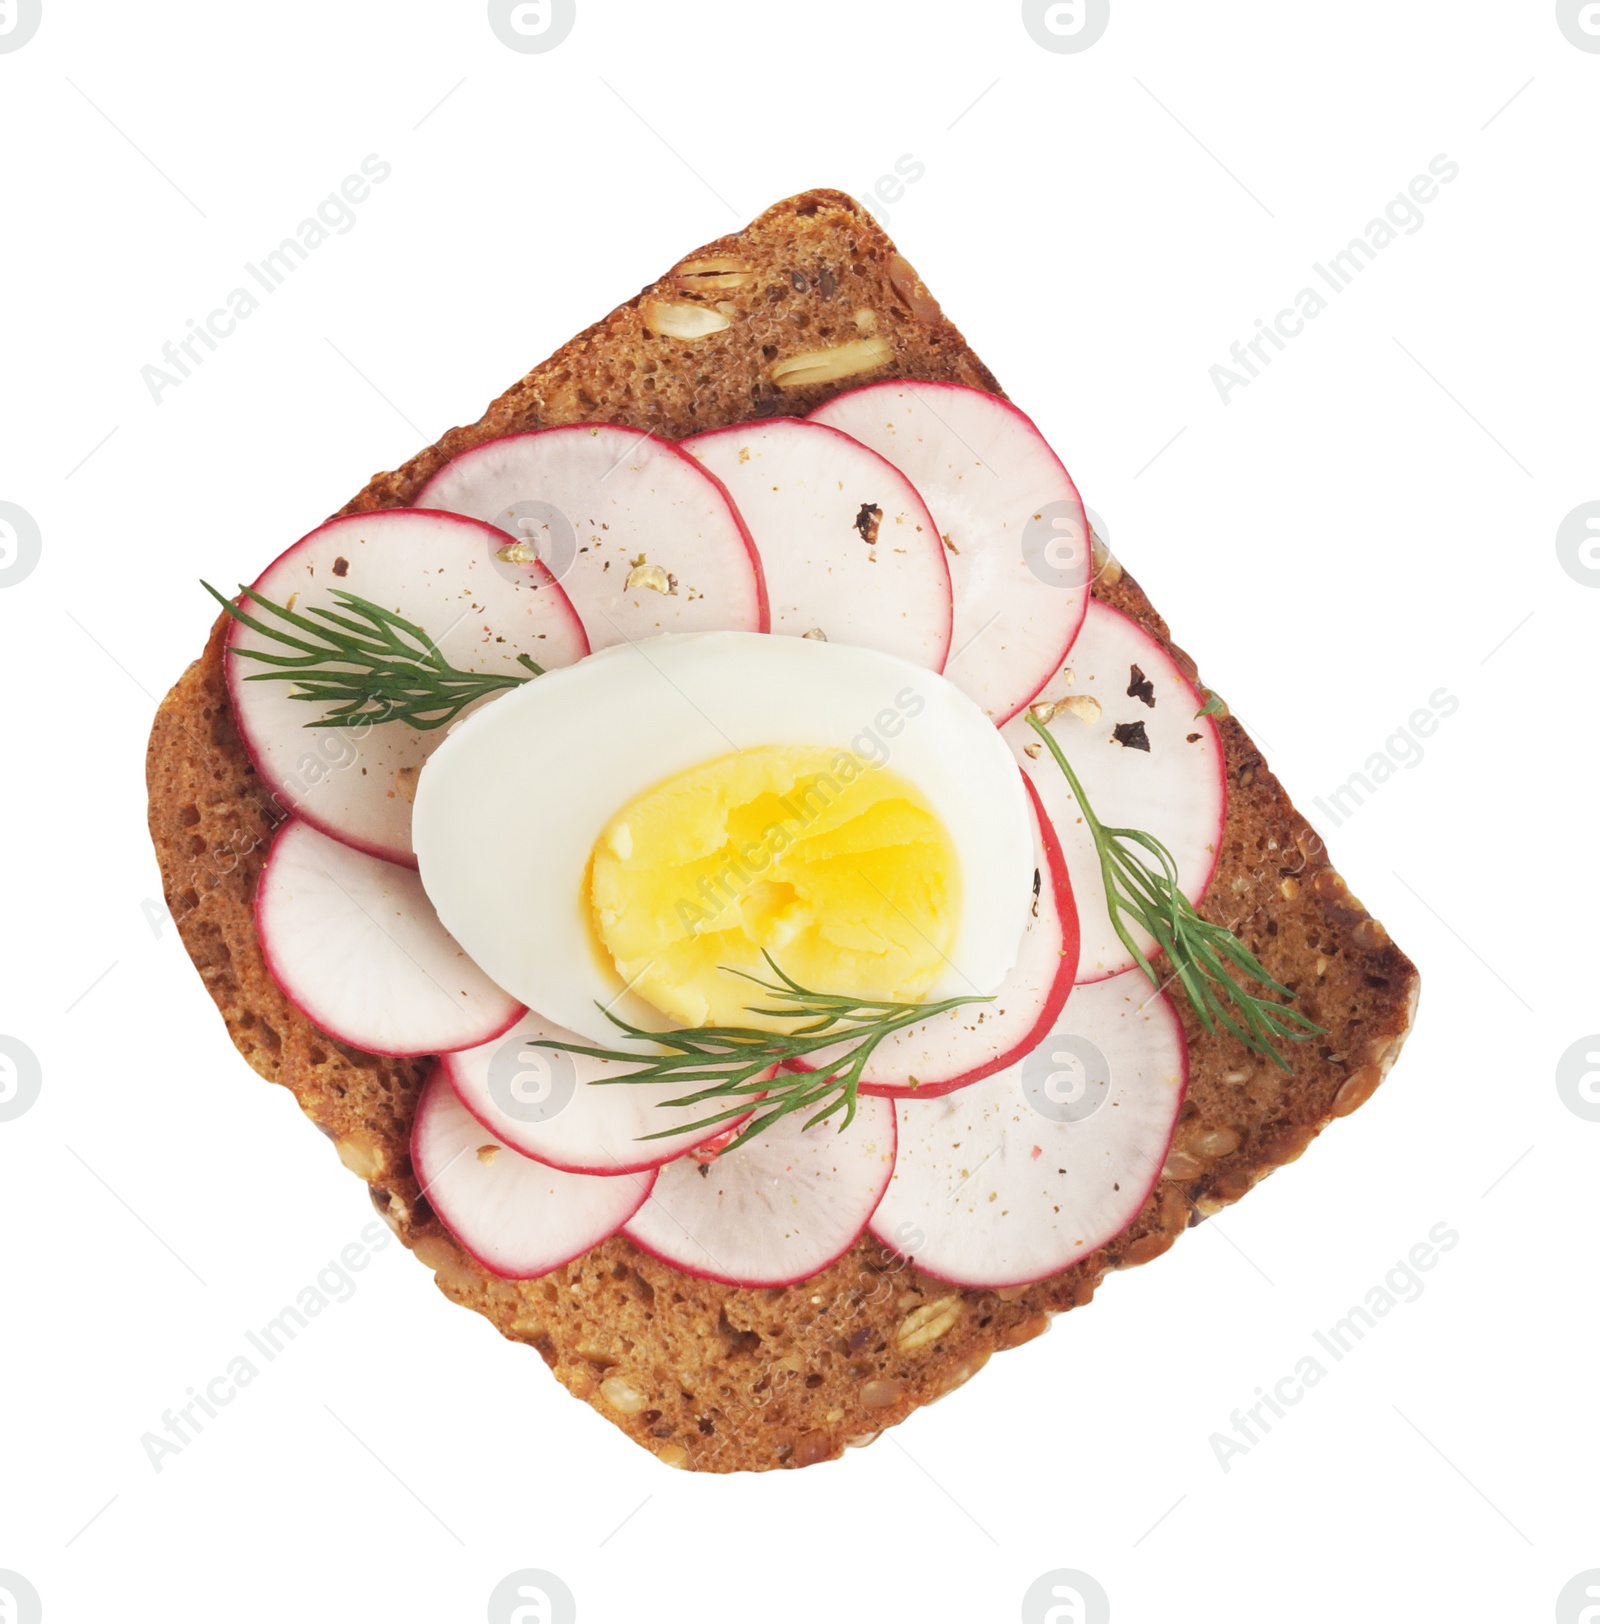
{"points": [[630, 833]]}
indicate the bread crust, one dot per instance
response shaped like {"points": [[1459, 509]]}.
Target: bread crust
{"points": [[708, 1376]]}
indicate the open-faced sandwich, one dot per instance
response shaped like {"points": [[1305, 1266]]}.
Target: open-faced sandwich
{"points": [[746, 877]]}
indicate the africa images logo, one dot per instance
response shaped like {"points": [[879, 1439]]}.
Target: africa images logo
{"points": [[1065, 1596], [1579, 20], [1578, 544], [19, 22], [1578, 1078], [1066, 25], [529, 1082], [532, 1596], [19, 1601], [532, 25], [20, 541], [21, 1078], [1066, 1079]]}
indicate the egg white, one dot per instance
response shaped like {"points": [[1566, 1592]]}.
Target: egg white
{"points": [[508, 808]]}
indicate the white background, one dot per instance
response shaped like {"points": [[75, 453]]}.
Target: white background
{"points": [[1370, 521]]}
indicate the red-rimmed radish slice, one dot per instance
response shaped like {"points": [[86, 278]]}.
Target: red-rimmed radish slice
{"points": [[643, 539], [557, 1108], [1011, 518], [775, 1210], [965, 1045], [847, 545], [437, 570], [1017, 1178], [1126, 720], [356, 947], [516, 1216]]}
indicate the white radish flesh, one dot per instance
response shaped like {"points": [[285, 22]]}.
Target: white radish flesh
{"points": [[1011, 518], [559, 1108], [517, 1217], [640, 536], [442, 573], [775, 1210], [847, 545], [1126, 719], [356, 946], [1017, 1178]]}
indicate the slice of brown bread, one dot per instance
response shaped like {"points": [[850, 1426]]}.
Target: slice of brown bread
{"points": [[704, 1375]]}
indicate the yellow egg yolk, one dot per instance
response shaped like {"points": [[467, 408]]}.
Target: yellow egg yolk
{"points": [[837, 868]]}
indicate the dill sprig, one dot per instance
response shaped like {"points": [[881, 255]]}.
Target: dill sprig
{"points": [[367, 664], [736, 1062], [1198, 951]]}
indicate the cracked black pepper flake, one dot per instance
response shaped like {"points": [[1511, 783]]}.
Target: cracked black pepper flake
{"points": [[1191, 738], [1140, 687], [867, 522], [341, 566], [1131, 736]]}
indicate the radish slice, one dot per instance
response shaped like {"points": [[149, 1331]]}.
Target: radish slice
{"points": [[356, 947], [1146, 761], [517, 1217], [440, 572], [847, 546], [773, 1211], [1014, 1180], [642, 538], [962, 1047], [1010, 516], [554, 1107]]}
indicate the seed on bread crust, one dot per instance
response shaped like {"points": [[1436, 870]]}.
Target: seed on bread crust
{"points": [[1359, 1087], [928, 1323], [911, 290], [811, 1447], [1107, 570], [622, 1398], [362, 1156], [451, 1270], [1213, 1143], [826, 366], [678, 319], [1146, 1250], [1025, 1330], [960, 1376], [713, 275]]}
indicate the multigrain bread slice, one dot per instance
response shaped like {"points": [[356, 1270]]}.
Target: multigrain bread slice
{"points": [[809, 300]]}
